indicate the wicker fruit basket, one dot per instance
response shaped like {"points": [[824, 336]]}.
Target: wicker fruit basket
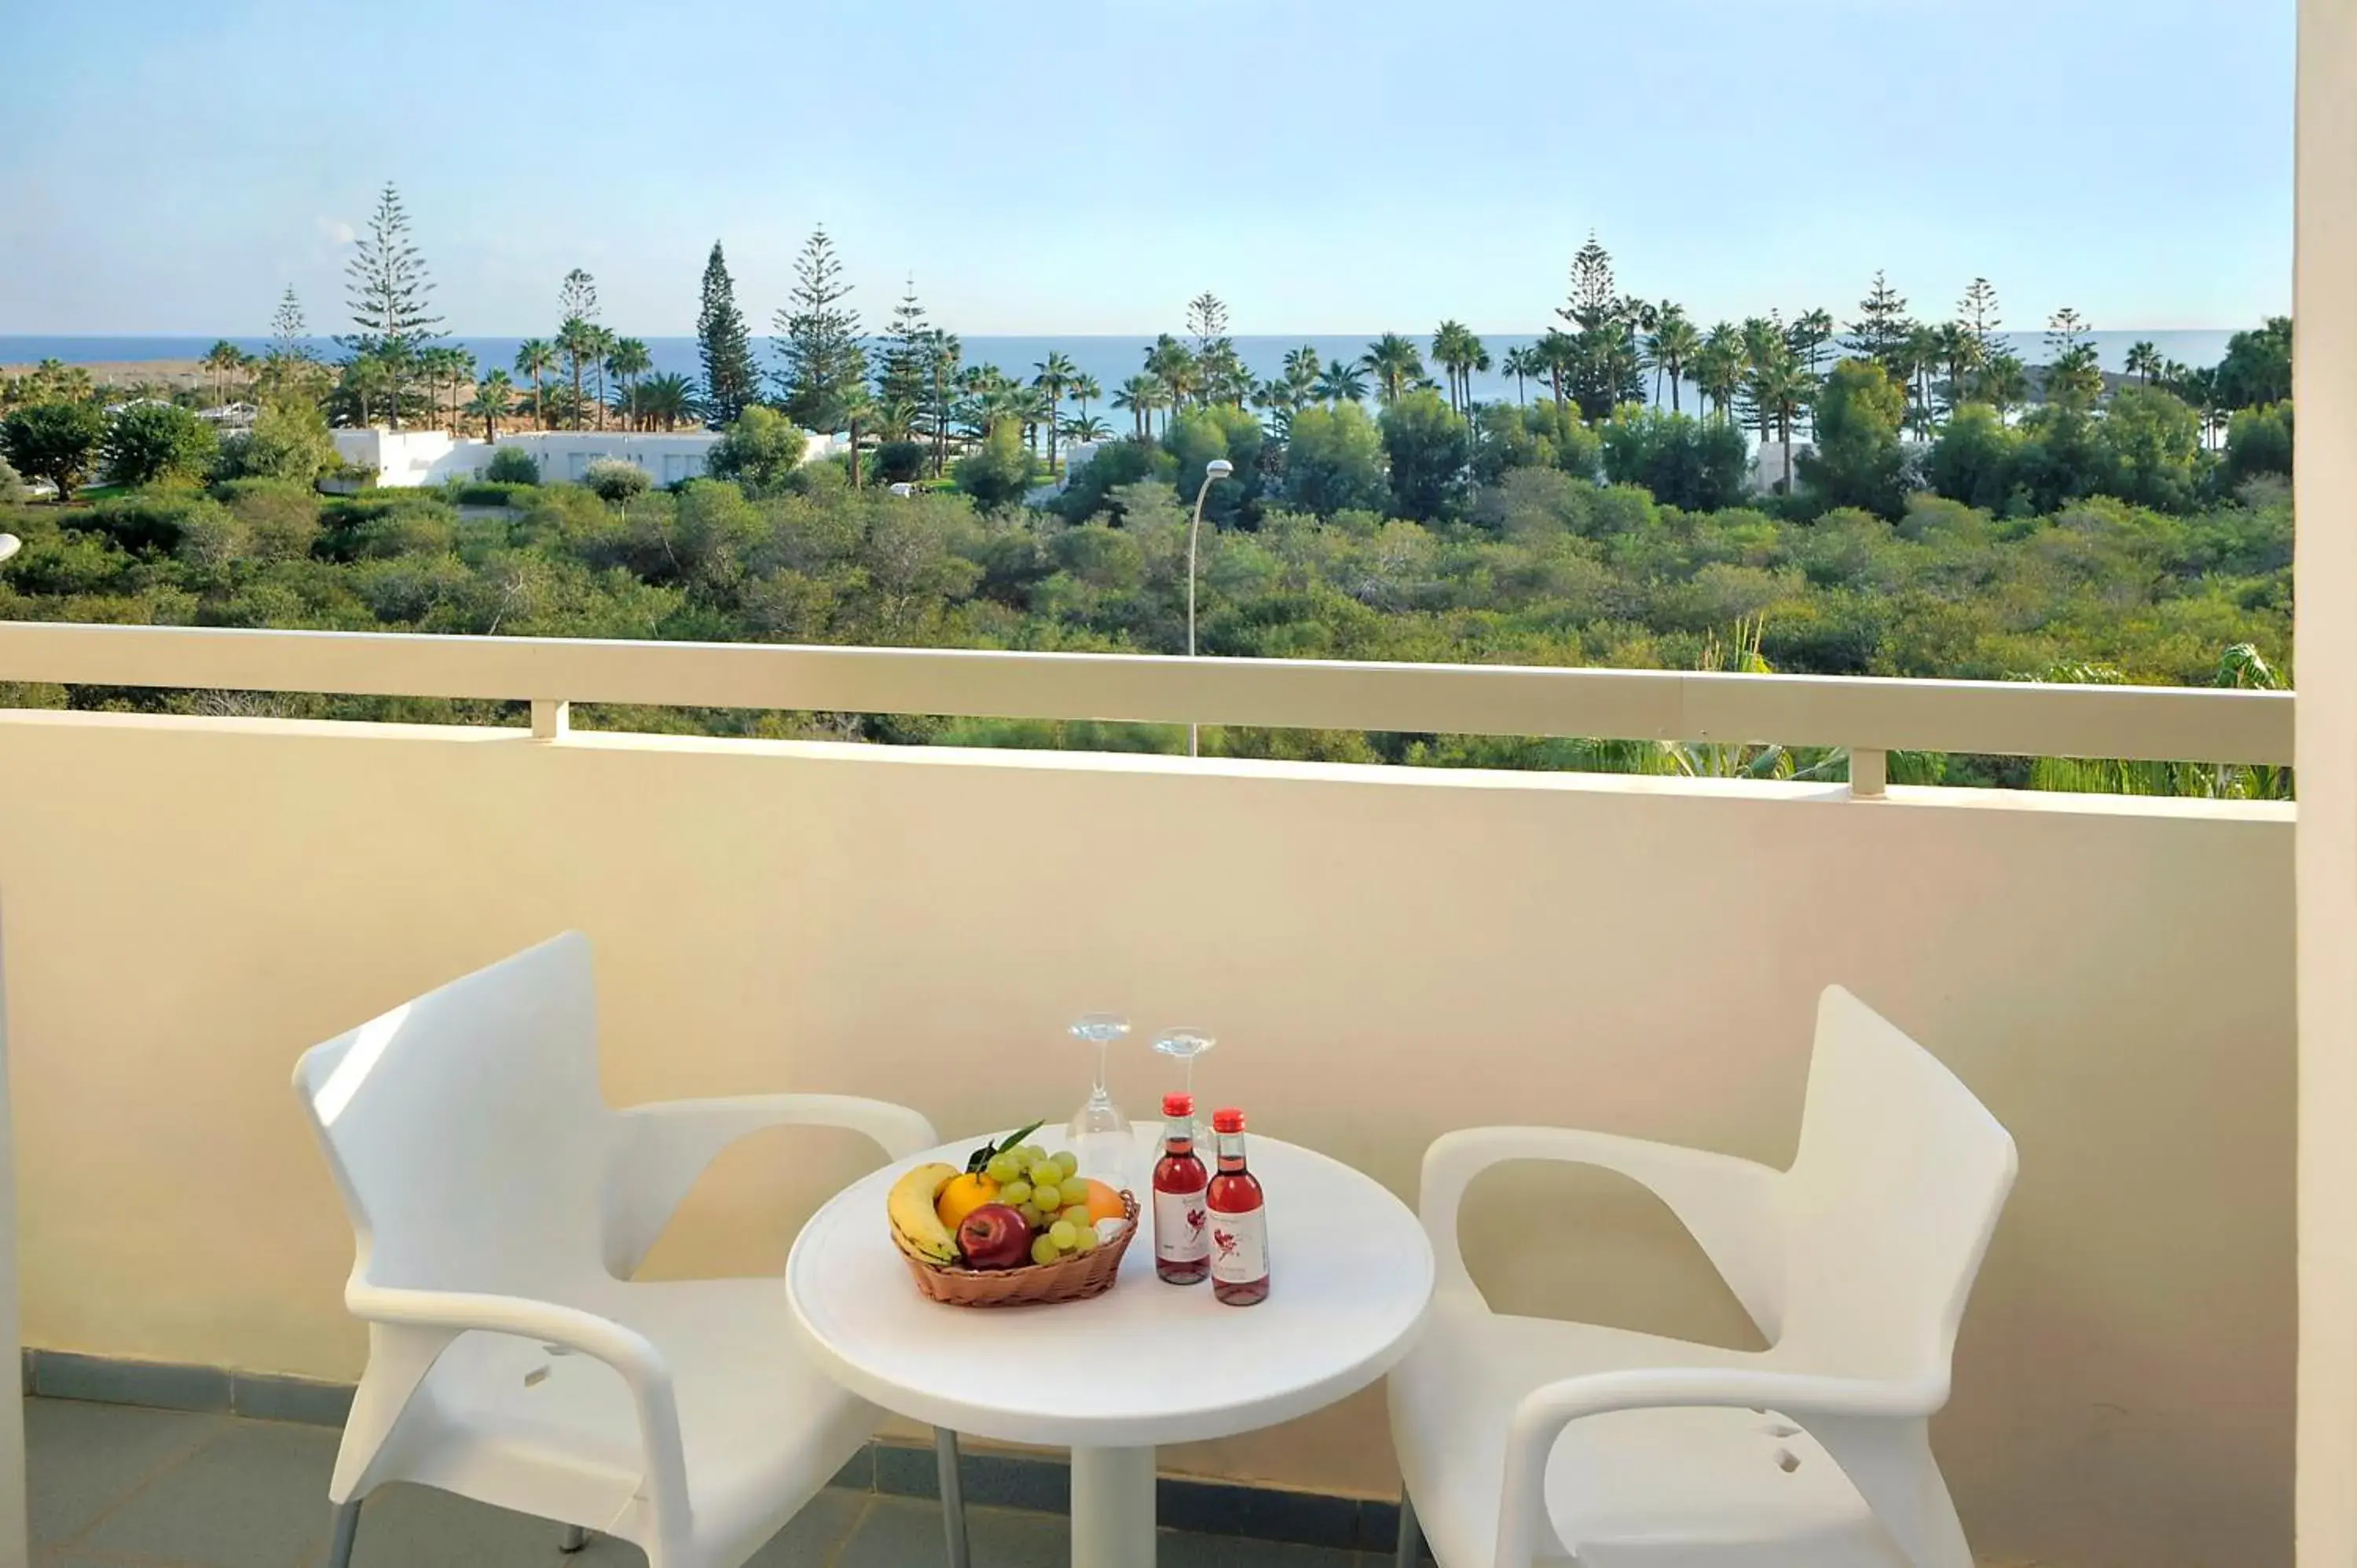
{"points": [[1076, 1278]]}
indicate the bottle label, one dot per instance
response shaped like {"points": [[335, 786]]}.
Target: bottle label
{"points": [[1239, 1246], [1179, 1235]]}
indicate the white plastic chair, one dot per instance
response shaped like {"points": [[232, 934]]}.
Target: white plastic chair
{"points": [[499, 1208], [1527, 1439]]}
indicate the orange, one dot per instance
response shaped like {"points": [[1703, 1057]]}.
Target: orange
{"points": [[1103, 1202], [963, 1195]]}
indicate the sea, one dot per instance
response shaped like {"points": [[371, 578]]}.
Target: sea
{"points": [[1110, 359]]}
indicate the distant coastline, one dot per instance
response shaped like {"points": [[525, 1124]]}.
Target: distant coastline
{"points": [[172, 361]]}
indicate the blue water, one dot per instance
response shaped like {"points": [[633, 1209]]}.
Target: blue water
{"points": [[1111, 360]]}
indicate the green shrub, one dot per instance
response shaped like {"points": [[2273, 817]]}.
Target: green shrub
{"points": [[151, 443], [899, 462], [512, 494], [614, 481], [148, 521], [281, 517], [511, 465], [998, 473]]}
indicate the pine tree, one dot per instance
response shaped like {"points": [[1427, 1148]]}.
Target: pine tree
{"points": [[905, 374], [577, 296], [1605, 369], [1882, 328], [730, 381], [390, 295], [288, 328], [1976, 313], [823, 363]]}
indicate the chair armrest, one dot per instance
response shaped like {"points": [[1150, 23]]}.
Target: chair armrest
{"points": [[1728, 1204], [1809, 1399], [629, 1352], [661, 1149]]}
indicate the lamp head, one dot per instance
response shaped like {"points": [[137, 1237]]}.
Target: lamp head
{"points": [[9, 545], [1218, 468]]}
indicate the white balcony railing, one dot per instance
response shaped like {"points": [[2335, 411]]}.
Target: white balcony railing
{"points": [[1869, 717]]}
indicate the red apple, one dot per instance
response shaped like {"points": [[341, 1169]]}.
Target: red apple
{"points": [[994, 1237]]}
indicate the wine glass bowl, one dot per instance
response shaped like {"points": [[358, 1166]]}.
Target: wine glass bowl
{"points": [[1098, 1132]]}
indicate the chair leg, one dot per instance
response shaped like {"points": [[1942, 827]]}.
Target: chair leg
{"points": [[1410, 1551], [341, 1532], [946, 1458], [576, 1538]]}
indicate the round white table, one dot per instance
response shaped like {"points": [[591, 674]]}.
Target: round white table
{"points": [[1146, 1363]]}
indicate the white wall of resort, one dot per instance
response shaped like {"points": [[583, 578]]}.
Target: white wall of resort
{"points": [[408, 457], [2325, 391], [1384, 953]]}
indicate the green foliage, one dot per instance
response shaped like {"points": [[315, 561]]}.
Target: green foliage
{"points": [[511, 465], [723, 344], [1857, 461], [1195, 436], [2258, 441], [899, 462], [1090, 488], [2151, 445], [289, 441], [2257, 369], [155, 443], [759, 451], [1686, 462], [823, 363], [1427, 446], [1973, 459], [151, 522], [615, 482], [53, 441], [1334, 462], [997, 474]]}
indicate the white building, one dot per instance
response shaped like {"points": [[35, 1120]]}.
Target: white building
{"points": [[405, 459]]}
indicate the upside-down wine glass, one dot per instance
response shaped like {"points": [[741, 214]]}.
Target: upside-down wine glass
{"points": [[1185, 1043], [1099, 1134]]}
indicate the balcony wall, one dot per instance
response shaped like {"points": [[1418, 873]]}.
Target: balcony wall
{"points": [[1385, 955]]}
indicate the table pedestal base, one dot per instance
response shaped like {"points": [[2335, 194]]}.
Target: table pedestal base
{"points": [[1113, 1508]]}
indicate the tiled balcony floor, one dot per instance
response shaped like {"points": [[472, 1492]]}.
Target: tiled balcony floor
{"points": [[113, 1484]]}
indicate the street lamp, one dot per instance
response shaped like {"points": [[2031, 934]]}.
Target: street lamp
{"points": [[9, 545], [1216, 469]]}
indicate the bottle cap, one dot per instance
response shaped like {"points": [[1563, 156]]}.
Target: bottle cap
{"points": [[1178, 1105], [1228, 1121]]}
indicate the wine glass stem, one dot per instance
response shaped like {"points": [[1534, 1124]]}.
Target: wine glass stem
{"points": [[1101, 1070]]}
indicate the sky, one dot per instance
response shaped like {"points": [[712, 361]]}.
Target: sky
{"points": [[1324, 165]]}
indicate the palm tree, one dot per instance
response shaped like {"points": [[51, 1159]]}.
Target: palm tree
{"points": [[599, 345], [492, 401], [1920, 352], [1339, 382], [2003, 383], [1670, 347], [537, 358], [1962, 352], [943, 351], [220, 360], [1764, 344], [1809, 335], [368, 376], [1523, 364], [576, 339], [1453, 347], [1392, 360], [1780, 388], [1174, 364], [628, 359], [1559, 351], [668, 398], [1055, 376], [1719, 367], [1081, 428], [1085, 390], [2144, 361]]}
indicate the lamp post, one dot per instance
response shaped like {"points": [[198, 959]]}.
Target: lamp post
{"points": [[1216, 469], [14, 1552]]}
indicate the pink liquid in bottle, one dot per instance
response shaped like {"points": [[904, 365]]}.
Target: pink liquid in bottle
{"points": [[1182, 1239], [1239, 1219]]}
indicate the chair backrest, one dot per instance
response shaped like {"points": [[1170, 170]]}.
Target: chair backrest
{"points": [[1889, 1204], [465, 1128]]}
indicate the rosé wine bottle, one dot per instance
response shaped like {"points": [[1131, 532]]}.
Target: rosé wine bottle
{"points": [[1239, 1219], [1182, 1240]]}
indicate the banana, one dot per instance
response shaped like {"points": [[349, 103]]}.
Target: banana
{"points": [[913, 1218]]}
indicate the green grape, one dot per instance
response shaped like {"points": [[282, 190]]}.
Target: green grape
{"points": [[1078, 1215], [1044, 1171], [1047, 1195], [1030, 1154], [1085, 1239], [1032, 1215], [1002, 1170], [1015, 1191], [1044, 1250], [1065, 1235], [1070, 1162]]}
